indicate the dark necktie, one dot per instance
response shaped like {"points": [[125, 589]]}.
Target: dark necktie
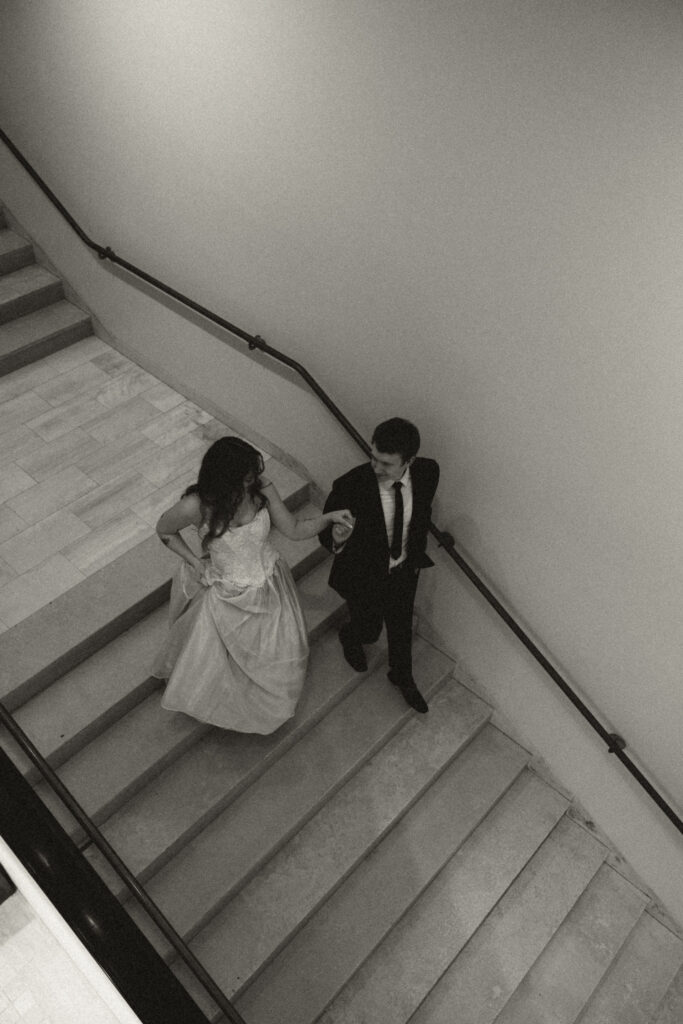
{"points": [[397, 536]]}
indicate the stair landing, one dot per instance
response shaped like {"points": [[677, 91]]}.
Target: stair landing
{"points": [[92, 450]]}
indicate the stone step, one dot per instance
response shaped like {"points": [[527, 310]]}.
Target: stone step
{"points": [[70, 713], [461, 804], [49, 369], [252, 928], [120, 760], [287, 794], [38, 334], [634, 987], [484, 974], [15, 251], [167, 813], [26, 290], [449, 914], [670, 1009], [574, 962], [43, 647], [101, 779]]}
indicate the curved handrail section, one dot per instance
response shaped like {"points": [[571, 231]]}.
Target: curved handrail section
{"points": [[254, 341], [615, 743]]}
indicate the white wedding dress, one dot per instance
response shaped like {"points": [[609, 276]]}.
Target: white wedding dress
{"points": [[237, 650]]}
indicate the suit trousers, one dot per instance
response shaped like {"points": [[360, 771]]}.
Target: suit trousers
{"points": [[388, 601]]}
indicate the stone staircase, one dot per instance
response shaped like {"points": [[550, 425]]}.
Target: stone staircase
{"points": [[362, 864], [36, 319]]}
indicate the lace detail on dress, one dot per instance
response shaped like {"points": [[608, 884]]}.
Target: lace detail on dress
{"points": [[243, 556]]}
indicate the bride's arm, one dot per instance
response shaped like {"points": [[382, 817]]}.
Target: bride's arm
{"points": [[186, 512], [299, 529]]}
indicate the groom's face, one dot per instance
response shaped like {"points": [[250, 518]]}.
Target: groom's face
{"points": [[387, 465]]}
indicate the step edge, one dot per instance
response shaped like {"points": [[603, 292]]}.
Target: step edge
{"points": [[282, 840], [617, 951], [366, 851], [30, 301], [253, 775], [117, 799], [451, 965], [236, 993], [414, 899], [114, 801], [37, 348], [150, 772], [59, 755]]}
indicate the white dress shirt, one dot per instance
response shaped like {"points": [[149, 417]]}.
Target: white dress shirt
{"points": [[388, 499]]}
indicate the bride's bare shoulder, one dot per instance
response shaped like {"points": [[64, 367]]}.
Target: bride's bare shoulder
{"points": [[187, 511], [191, 505]]}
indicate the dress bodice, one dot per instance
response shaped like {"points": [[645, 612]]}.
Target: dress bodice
{"points": [[243, 556]]}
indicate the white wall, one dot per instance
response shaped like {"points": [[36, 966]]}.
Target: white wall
{"points": [[465, 213]]}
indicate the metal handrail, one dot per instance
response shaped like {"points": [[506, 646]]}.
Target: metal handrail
{"points": [[253, 341], [119, 866], [615, 744]]}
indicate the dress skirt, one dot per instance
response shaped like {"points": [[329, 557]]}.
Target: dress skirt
{"points": [[235, 658]]}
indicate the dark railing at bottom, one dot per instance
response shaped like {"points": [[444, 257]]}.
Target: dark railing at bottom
{"points": [[84, 901]]}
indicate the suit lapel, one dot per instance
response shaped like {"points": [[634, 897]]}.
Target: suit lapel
{"points": [[418, 482]]}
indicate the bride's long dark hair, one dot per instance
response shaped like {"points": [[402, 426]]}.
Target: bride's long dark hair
{"points": [[220, 484]]}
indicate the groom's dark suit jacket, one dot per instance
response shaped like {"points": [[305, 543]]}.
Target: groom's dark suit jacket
{"points": [[364, 559]]}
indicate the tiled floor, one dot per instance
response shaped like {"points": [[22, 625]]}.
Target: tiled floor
{"points": [[92, 450], [39, 983]]}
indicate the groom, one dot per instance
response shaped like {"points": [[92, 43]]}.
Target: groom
{"points": [[378, 560]]}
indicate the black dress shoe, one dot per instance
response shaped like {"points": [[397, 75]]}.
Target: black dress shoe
{"points": [[410, 693], [353, 653], [414, 698]]}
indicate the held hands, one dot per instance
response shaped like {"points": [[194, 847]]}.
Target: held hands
{"points": [[342, 525]]}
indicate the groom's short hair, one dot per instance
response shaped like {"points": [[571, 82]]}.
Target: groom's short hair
{"points": [[397, 437]]}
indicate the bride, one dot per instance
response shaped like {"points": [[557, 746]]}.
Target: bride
{"points": [[237, 648]]}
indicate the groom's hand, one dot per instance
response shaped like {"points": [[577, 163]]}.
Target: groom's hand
{"points": [[341, 533]]}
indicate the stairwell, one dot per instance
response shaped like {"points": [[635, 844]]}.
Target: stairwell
{"points": [[363, 864]]}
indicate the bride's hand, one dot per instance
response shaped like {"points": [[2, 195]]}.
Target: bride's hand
{"points": [[342, 517], [201, 567]]}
